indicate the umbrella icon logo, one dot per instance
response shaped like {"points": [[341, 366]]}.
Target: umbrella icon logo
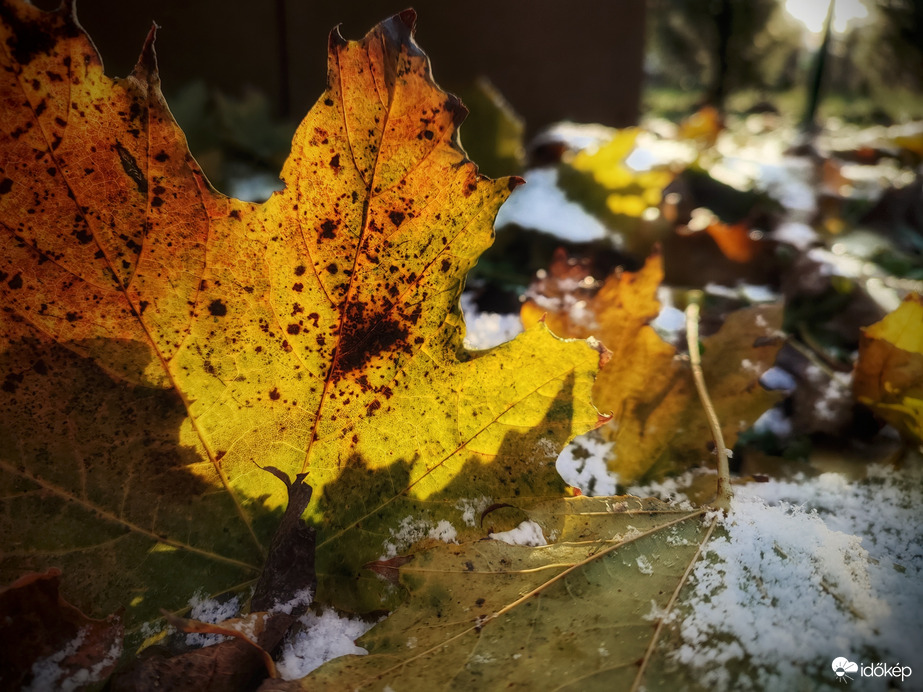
{"points": [[841, 666]]}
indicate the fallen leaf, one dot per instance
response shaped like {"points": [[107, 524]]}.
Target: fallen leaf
{"points": [[46, 643], [888, 376], [162, 342], [581, 613], [658, 424]]}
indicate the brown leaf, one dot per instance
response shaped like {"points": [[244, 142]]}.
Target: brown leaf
{"points": [[46, 642], [658, 424]]}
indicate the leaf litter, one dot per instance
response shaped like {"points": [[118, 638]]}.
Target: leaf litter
{"points": [[758, 548]]}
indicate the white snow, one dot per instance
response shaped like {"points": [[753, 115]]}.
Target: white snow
{"points": [[472, 509], [583, 464], [47, 673], [774, 421], [778, 379], [487, 329], [528, 533], [413, 529], [541, 204], [805, 572], [209, 610], [324, 637]]}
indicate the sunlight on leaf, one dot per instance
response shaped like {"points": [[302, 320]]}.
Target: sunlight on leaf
{"points": [[162, 342]]}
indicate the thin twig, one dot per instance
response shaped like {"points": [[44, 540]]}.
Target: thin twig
{"points": [[669, 608], [723, 500]]}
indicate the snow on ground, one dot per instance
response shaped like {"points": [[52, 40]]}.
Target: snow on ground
{"points": [[487, 329], [542, 205], [805, 572]]}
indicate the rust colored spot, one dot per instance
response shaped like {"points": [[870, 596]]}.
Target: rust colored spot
{"points": [[5, 186], [335, 163], [397, 218], [161, 157], [15, 282], [299, 287], [217, 308], [72, 317], [235, 214], [299, 270], [274, 394], [374, 406], [293, 329], [428, 134], [446, 265], [328, 227], [333, 268]]}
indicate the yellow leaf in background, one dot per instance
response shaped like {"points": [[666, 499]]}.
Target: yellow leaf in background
{"points": [[658, 425], [889, 372], [630, 191]]}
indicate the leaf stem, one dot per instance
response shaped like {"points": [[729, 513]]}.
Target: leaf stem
{"points": [[723, 499]]}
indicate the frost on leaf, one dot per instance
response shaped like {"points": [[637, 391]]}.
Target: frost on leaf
{"points": [[160, 342], [658, 424]]}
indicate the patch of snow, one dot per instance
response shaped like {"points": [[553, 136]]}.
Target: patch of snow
{"points": [[254, 188], [800, 235], [528, 533], [487, 329], [808, 571], [774, 421], [324, 637], [778, 379], [584, 464], [671, 489], [411, 530], [211, 611], [669, 322], [472, 509], [542, 205], [47, 673], [301, 598], [749, 292]]}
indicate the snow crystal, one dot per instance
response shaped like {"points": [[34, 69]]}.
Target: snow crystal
{"points": [[528, 533], [790, 587], [324, 637], [583, 464], [487, 329], [542, 205]]}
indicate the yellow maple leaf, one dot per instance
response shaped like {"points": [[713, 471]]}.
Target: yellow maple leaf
{"points": [[161, 342]]}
